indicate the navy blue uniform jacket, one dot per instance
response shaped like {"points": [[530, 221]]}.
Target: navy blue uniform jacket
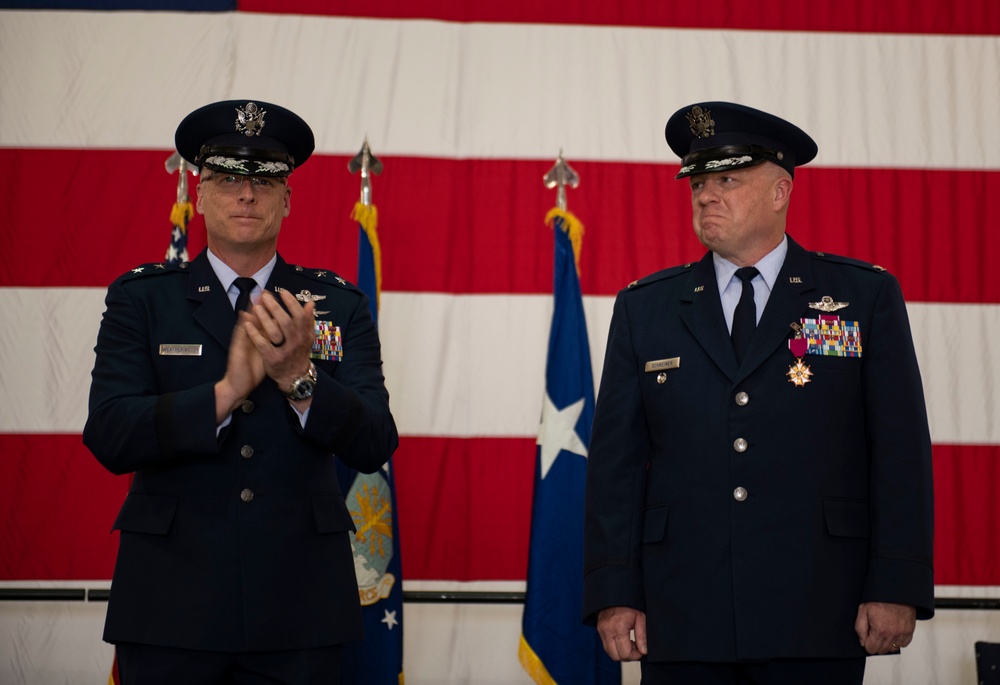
{"points": [[837, 472], [198, 566]]}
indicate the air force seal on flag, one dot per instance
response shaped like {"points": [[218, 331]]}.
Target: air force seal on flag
{"points": [[370, 503]]}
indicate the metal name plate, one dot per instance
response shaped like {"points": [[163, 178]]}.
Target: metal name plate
{"points": [[661, 364], [176, 350]]}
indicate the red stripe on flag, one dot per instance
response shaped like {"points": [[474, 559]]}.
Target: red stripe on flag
{"points": [[472, 226], [889, 16], [57, 505], [967, 515], [464, 507]]}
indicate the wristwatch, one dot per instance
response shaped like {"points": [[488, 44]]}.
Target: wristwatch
{"points": [[302, 387]]}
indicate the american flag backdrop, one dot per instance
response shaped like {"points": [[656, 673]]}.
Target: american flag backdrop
{"points": [[467, 104]]}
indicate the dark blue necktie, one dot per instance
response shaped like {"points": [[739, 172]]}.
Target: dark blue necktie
{"points": [[245, 285], [745, 316]]}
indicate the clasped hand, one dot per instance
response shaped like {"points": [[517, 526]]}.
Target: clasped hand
{"points": [[269, 341]]}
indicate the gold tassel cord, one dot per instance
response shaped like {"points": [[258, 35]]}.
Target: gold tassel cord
{"points": [[573, 228], [367, 218], [181, 214]]}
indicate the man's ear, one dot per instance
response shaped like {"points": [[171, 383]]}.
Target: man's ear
{"points": [[782, 192]]}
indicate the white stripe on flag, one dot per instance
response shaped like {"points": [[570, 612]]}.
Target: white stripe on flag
{"points": [[463, 365], [445, 89]]}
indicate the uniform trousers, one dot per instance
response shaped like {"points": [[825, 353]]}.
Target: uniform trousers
{"points": [[152, 665], [771, 672]]}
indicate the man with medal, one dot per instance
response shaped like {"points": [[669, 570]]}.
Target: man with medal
{"points": [[759, 486], [229, 386]]}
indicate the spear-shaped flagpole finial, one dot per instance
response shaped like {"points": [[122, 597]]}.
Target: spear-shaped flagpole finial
{"points": [[177, 163], [367, 163], [560, 176]]}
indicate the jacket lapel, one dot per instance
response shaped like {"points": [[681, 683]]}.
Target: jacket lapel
{"points": [[281, 279], [213, 311], [784, 306], [701, 312]]}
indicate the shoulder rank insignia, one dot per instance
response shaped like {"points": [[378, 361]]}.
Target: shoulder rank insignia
{"points": [[826, 304]]}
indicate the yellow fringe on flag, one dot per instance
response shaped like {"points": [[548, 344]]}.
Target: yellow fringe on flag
{"points": [[573, 227], [367, 218], [181, 214], [532, 665]]}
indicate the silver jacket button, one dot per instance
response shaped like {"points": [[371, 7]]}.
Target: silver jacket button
{"points": [[739, 494], [247, 495], [246, 451], [742, 399], [740, 445]]}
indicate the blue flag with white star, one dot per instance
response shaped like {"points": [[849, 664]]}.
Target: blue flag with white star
{"points": [[180, 215], [556, 648], [371, 499]]}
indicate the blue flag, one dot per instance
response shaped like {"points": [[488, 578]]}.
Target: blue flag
{"points": [[371, 499], [555, 645], [180, 215]]}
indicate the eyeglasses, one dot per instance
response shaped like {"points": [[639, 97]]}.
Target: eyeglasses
{"points": [[233, 183]]}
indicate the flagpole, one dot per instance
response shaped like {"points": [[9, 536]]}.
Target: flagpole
{"points": [[367, 163], [560, 176], [365, 213], [371, 497], [183, 210]]}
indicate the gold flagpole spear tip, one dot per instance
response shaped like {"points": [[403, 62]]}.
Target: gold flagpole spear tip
{"points": [[560, 176], [177, 163], [367, 163]]}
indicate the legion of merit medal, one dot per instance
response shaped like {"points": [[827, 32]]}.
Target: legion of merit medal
{"points": [[798, 373]]}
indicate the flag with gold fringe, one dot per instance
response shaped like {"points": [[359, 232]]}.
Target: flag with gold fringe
{"points": [[180, 215], [371, 499], [556, 648]]}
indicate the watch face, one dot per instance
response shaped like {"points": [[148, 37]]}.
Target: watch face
{"points": [[302, 389]]}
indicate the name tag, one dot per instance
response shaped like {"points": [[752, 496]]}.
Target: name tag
{"points": [[176, 350], [662, 364]]}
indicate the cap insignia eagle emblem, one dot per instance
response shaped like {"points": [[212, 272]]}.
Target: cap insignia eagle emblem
{"points": [[250, 120], [702, 125]]}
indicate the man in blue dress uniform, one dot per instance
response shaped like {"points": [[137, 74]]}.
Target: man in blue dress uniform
{"points": [[229, 386], [759, 489]]}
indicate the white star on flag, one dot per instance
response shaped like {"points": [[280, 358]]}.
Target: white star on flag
{"points": [[390, 619], [558, 432]]}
